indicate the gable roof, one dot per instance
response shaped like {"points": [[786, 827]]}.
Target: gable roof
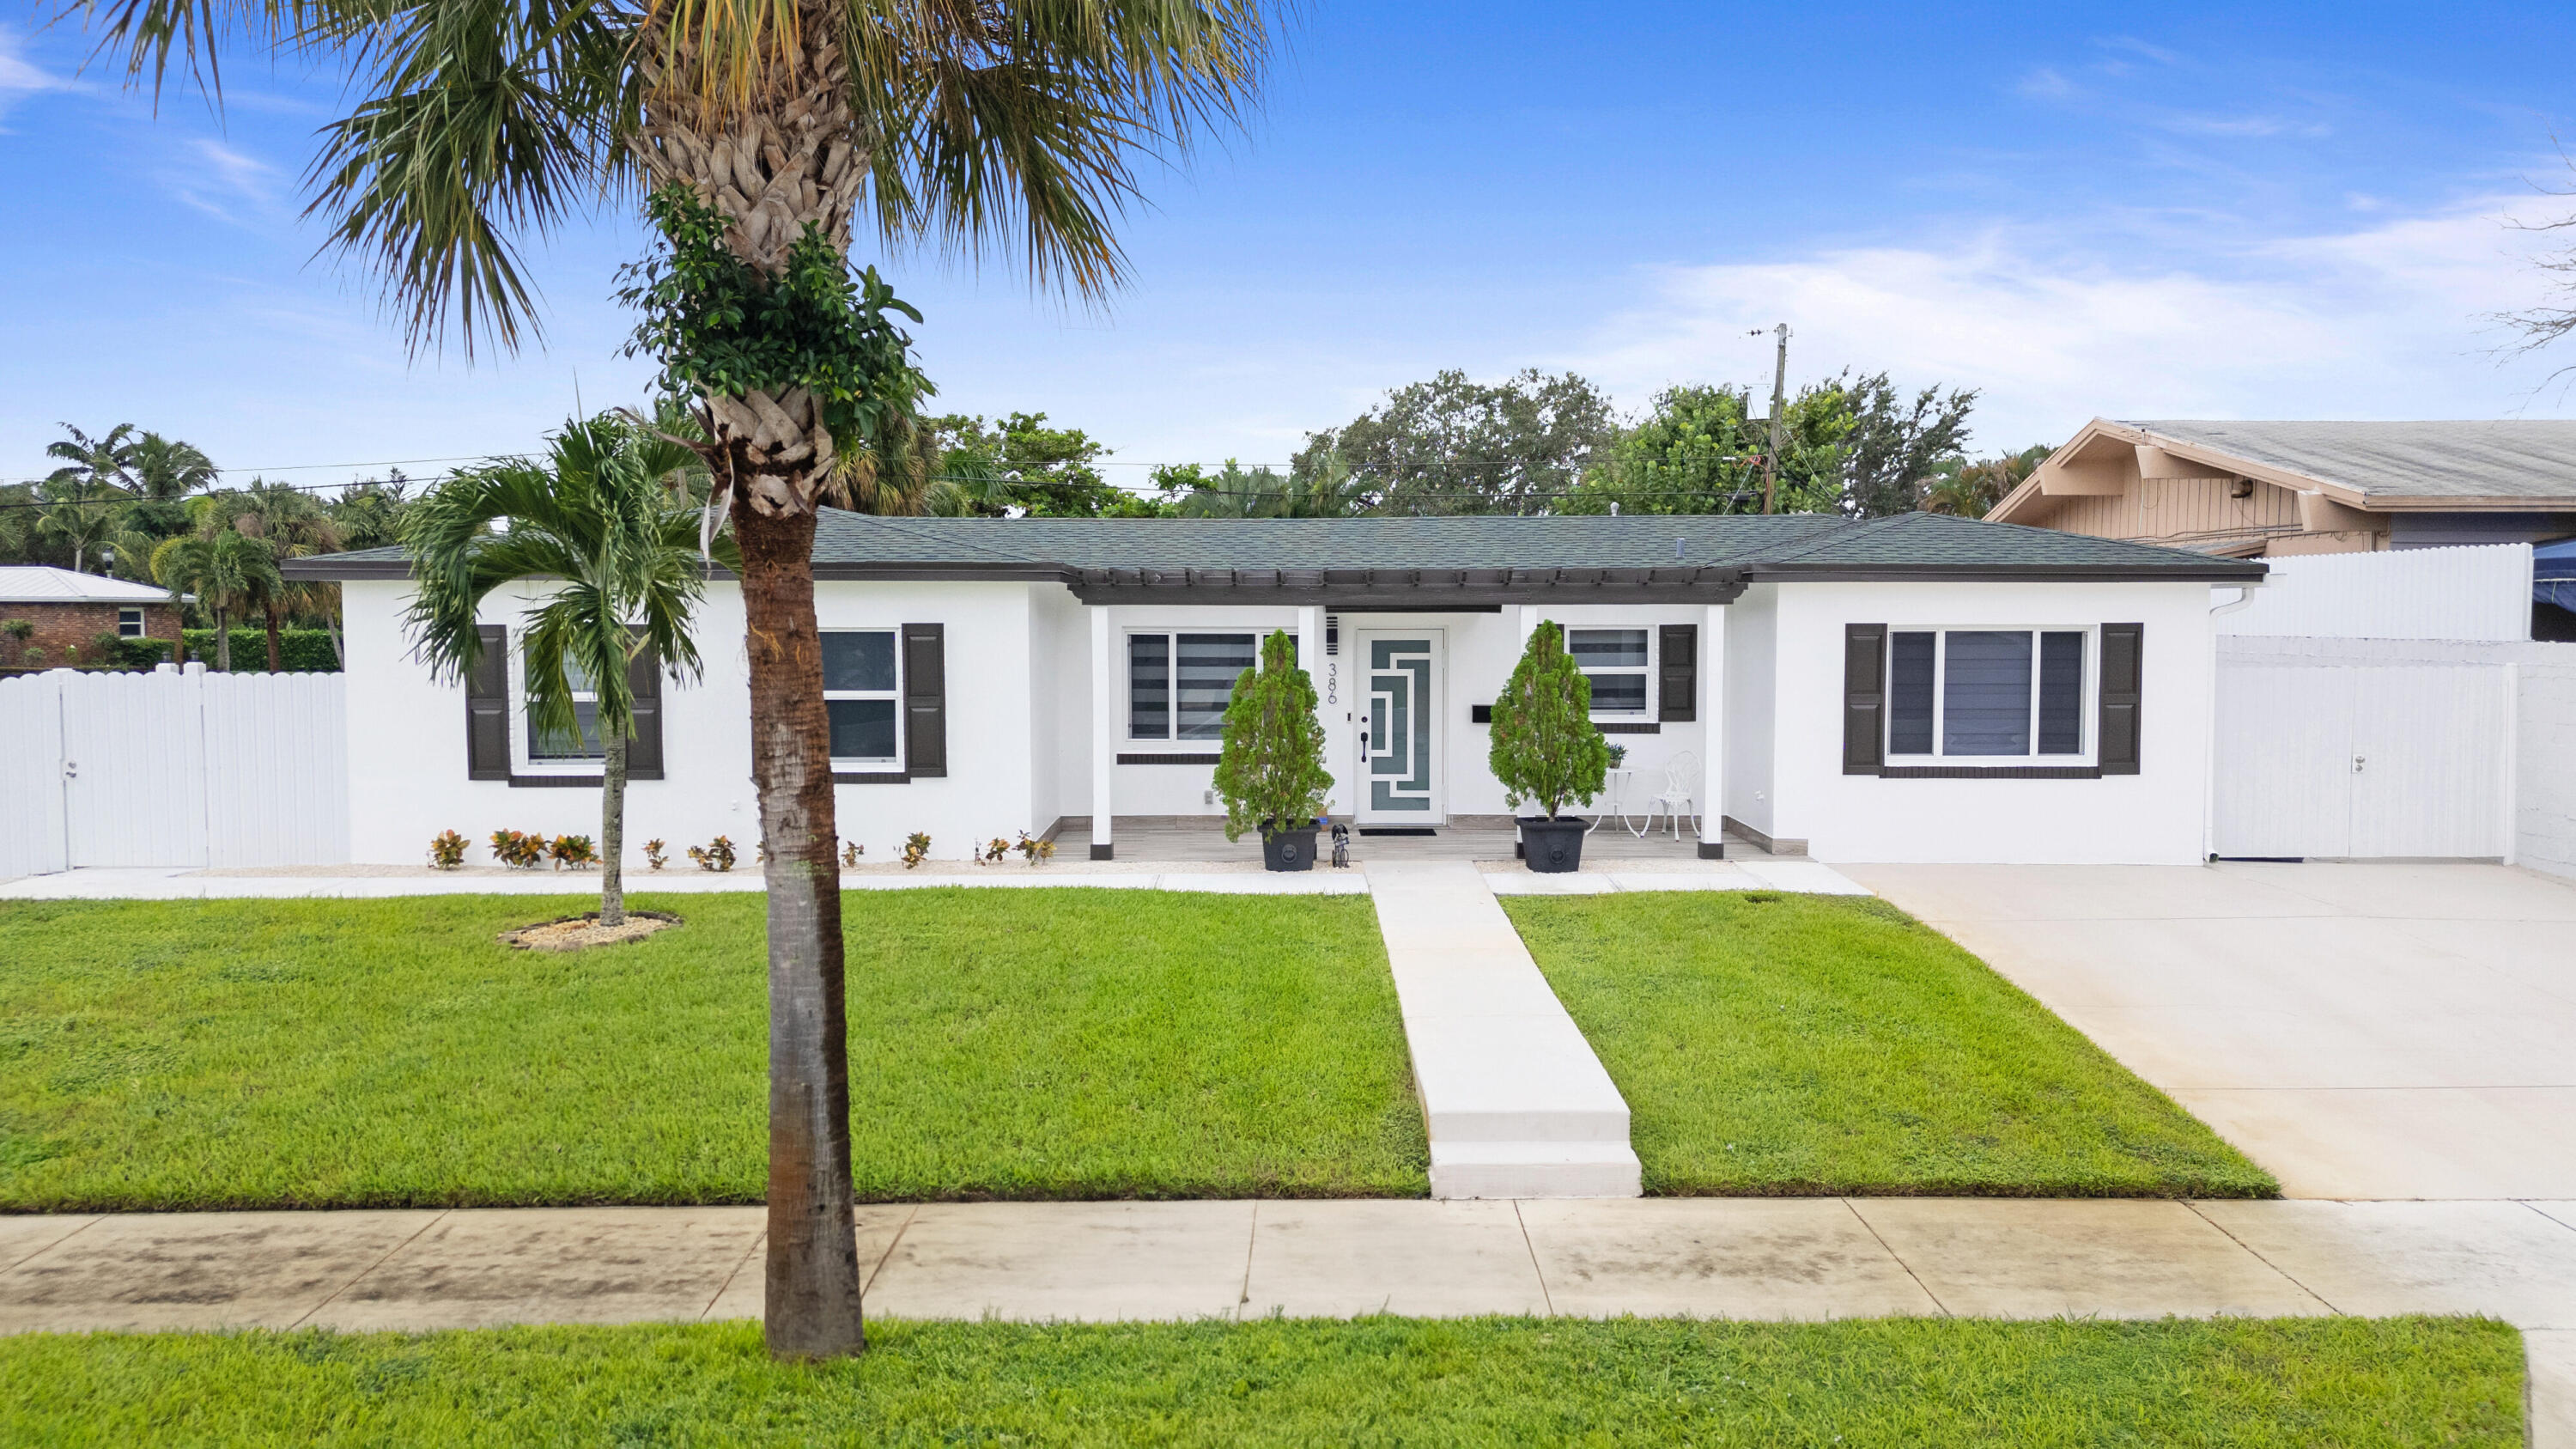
{"points": [[1479, 559], [42, 584], [2514, 464]]}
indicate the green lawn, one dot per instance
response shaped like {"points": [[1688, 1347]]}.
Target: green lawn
{"points": [[1810, 1044], [1021, 1043], [1915, 1383]]}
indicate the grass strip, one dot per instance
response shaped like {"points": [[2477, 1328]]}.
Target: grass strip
{"points": [[1791, 1044], [1029, 1043], [1918, 1383]]}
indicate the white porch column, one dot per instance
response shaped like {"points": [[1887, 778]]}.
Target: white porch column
{"points": [[1529, 626], [1310, 657], [1712, 728], [1104, 727]]}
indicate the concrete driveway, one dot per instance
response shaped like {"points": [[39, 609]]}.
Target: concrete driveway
{"points": [[2362, 1030]]}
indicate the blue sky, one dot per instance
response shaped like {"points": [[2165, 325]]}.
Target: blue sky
{"points": [[2250, 211]]}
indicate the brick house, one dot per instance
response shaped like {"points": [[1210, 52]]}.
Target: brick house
{"points": [[69, 611]]}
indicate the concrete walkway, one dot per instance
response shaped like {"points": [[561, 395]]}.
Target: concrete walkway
{"points": [[363, 882], [1516, 1102], [2362, 1030]]}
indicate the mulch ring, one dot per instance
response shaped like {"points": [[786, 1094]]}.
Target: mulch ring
{"points": [[572, 933]]}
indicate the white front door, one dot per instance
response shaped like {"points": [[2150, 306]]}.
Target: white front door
{"points": [[1401, 741]]}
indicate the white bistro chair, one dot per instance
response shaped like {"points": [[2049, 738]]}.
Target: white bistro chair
{"points": [[1678, 798]]}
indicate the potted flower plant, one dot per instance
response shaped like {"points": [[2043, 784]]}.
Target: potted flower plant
{"points": [[1271, 772], [1546, 752]]}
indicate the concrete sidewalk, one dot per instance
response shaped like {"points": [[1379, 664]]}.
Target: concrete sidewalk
{"points": [[1744, 1258]]}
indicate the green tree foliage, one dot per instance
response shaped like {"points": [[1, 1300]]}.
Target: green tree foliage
{"points": [[1845, 443], [1546, 750], [1971, 490], [1018, 466], [618, 546], [226, 570], [1453, 445], [1318, 487], [1896, 443], [1271, 773]]}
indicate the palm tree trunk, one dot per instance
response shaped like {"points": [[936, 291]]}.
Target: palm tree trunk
{"points": [[813, 1269], [276, 660], [223, 643], [612, 827]]}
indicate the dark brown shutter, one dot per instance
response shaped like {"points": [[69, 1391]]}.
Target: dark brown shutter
{"points": [[925, 700], [2123, 655], [487, 706], [644, 685], [1864, 696], [1678, 662]]}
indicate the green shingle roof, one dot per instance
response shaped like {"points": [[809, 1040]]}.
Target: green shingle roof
{"points": [[1677, 549]]}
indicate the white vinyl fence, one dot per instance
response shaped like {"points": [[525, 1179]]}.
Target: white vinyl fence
{"points": [[2379, 748], [172, 768], [2479, 592]]}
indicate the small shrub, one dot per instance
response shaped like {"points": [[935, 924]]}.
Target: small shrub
{"points": [[447, 850], [1034, 850], [916, 849], [992, 851], [1618, 756], [851, 850], [653, 855], [32, 656], [1546, 751], [577, 851], [518, 851], [716, 854], [1271, 773]]}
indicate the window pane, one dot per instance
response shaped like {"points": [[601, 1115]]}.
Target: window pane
{"points": [[1208, 666], [1607, 648], [858, 660], [1909, 695], [575, 675], [862, 729], [1618, 693], [1149, 686], [1985, 694], [583, 744], [2061, 694]]}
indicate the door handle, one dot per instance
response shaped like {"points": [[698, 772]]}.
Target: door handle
{"points": [[71, 769], [2357, 762]]}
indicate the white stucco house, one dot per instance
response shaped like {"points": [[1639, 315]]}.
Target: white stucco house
{"points": [[1919, 688]]}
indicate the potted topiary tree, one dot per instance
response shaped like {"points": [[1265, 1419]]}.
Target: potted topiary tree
{"points": [[1546, 751], [1271, 773]]}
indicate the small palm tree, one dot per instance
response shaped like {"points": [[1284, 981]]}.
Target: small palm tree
{"points": [[599, 519], [222, 568], [293, 525]]}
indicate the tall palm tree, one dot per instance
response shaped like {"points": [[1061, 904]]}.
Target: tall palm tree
{"points": [[223, 569], [293, 525], [599, 517], [166, 470], [756, 130], [78, 514], [106, 461]]}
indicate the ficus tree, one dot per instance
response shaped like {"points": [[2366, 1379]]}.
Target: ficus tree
{"points": [[1012, 125], [1546, 749], [615, 551]]}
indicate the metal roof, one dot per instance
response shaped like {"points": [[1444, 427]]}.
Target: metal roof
{"points": [[40, 584], [2519, 458], [1468, 559]]}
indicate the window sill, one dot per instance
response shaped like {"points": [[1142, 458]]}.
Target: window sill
{"points": [[1173, 758], [856, 774], [1629, 726], [1987, 772]]}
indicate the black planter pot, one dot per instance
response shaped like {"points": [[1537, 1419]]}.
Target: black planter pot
{"points": [[1552, 847], [1288, 849]]}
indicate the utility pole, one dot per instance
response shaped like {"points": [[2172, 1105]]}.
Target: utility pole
{"points": [[1779, 400]]}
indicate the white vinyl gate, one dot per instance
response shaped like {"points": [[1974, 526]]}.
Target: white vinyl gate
{"points": [[172, 768], [2334, 758]]}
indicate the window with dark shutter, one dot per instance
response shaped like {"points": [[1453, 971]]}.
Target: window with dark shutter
{"points": [[925, 700], [644, 684], [1677, 667], [1864, 696], [2123, 653], [487, 706]]}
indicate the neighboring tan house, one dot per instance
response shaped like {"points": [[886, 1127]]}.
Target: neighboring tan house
{"points": [[69, 612], [2249, 489], [1916, 688]]}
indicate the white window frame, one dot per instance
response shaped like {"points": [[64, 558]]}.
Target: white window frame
{"points": [[2088, 704], [894, 761], [523, 734], [1171, 738], [130, 614], [1654, 643]]}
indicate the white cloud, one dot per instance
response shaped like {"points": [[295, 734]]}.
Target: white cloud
{"points": [[19, 76], [2388, 321]]}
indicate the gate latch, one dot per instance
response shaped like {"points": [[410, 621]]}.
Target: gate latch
{"points": [[71, 769], [2357, 762]]}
